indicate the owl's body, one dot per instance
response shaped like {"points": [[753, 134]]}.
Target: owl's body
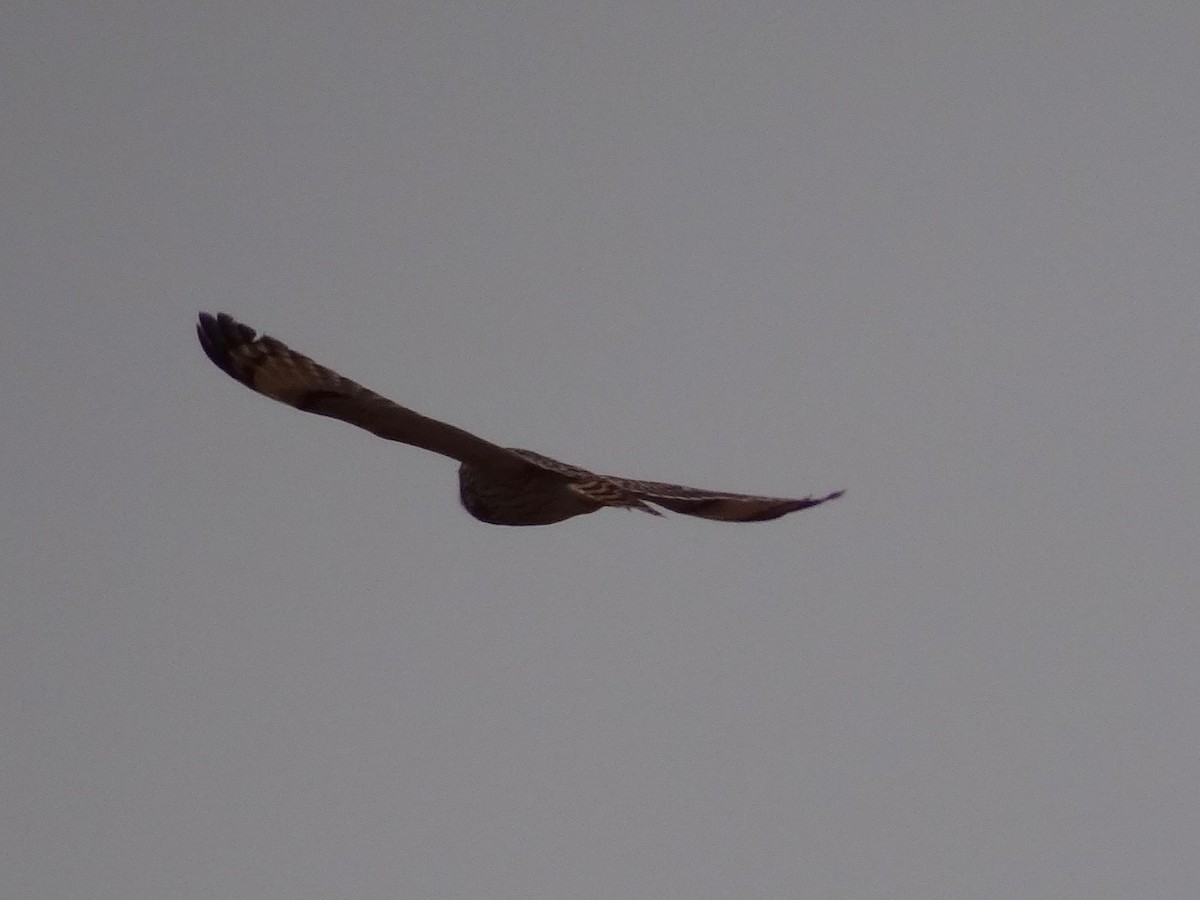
{"points": [[502, 486]]}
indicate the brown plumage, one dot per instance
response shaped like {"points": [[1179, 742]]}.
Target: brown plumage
{"points": [[504, 486]]}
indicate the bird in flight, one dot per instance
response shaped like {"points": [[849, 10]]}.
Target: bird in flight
{"points": [[499, 485]]}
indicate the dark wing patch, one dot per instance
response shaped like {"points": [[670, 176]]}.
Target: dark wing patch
{"points": [[271, 368]]}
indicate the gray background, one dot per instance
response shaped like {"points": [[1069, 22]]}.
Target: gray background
{"points": [[943, 255]]}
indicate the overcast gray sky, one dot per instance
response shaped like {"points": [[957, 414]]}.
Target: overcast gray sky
{"points": [[943, 255]]}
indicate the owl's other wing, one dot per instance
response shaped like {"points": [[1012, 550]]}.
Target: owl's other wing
{"points": [[271, 368], [718, 505]]}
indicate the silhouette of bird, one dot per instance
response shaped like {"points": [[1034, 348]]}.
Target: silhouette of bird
{"points": [[499, 485]]}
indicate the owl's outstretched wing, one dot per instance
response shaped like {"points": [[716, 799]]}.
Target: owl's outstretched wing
{"points": [[723, 507], [271, 368]]}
